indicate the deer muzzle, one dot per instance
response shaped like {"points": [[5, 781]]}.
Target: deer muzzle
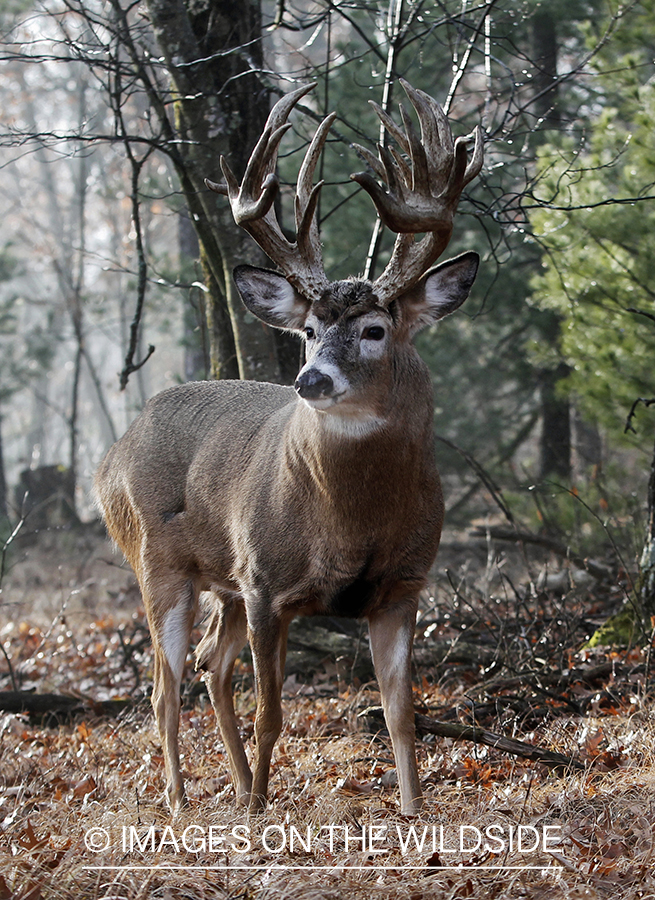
{"points": [[312, 384]]}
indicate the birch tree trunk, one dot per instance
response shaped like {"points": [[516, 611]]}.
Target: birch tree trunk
{"points": [[647, 562]]}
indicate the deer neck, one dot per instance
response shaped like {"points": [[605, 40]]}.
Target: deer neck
{"points": [[358, 450]]}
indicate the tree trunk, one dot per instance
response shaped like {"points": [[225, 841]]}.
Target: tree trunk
{"points": [[555, 449], [555, 445], [223, 362], [212, 51], [647, 562], [544, 58], [4, 510]]}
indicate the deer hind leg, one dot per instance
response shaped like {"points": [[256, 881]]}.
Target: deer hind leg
{"points": [[170, 605], [268, 639], [391, 634], [226, 634]]}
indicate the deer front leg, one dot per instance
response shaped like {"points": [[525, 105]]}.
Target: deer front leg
{"points": [[268, 637], [391, 634], [170, 605], [223, 641]]}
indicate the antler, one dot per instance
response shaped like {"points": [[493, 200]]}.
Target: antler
{"points": [[421, 197], [252, 200]]}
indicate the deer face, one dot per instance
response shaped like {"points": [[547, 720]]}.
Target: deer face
{"points": [[349, 344], [351, 339]]}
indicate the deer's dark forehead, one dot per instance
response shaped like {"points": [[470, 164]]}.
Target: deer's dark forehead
{"points": [[346, 299]]}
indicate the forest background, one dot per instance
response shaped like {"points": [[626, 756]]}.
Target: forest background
{"points": [[115, 113]]}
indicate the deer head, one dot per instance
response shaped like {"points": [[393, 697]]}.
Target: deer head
{"points": [[421, 193]]}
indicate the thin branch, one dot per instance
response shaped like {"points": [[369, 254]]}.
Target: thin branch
{"points": [[393, 49], [497, 533], [557, 761], [428, 725], [485, 477], [633, 411], [641, 312], [461, 68], [129, 365]]}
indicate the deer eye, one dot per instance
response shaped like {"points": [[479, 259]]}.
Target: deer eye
{"points": [[310, 334], [374, 333]]}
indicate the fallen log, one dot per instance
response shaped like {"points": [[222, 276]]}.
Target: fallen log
{"points": [[427, 725], [556, 761], [499, 533], [33, 704], [67, 705]]}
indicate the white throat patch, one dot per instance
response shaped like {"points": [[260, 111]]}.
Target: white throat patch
{"points": [[352, 426]]}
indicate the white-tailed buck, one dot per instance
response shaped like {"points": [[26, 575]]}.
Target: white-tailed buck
{"points": [[323, 498]]}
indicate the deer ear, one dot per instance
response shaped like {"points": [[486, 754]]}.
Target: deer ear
{"points": [[441, 291], [270, 297]]}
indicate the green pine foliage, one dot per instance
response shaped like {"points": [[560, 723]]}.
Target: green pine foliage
{"points": [[597, 228]]}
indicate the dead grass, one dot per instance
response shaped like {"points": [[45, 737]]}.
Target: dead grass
{"points": [[332, 776]]}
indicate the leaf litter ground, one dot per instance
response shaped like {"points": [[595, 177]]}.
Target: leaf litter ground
{"points": [[81, 812]]}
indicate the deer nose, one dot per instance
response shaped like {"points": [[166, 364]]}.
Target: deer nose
{"points": [[314, 384]]}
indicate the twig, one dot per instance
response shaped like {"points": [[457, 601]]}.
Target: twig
{"points": [[605, 528], [641, 312], [633, 411], [484, 477], [12, 675], [9, 541], [649, 656]]}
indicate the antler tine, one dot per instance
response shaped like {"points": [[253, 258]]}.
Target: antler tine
{"points": [[264, 156], [477, 157], [259, 176], [370, 159], [252, 200], [420, 171], [306, 194], [280, 112], [391, 127], [434, 122], [423, 196]]}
